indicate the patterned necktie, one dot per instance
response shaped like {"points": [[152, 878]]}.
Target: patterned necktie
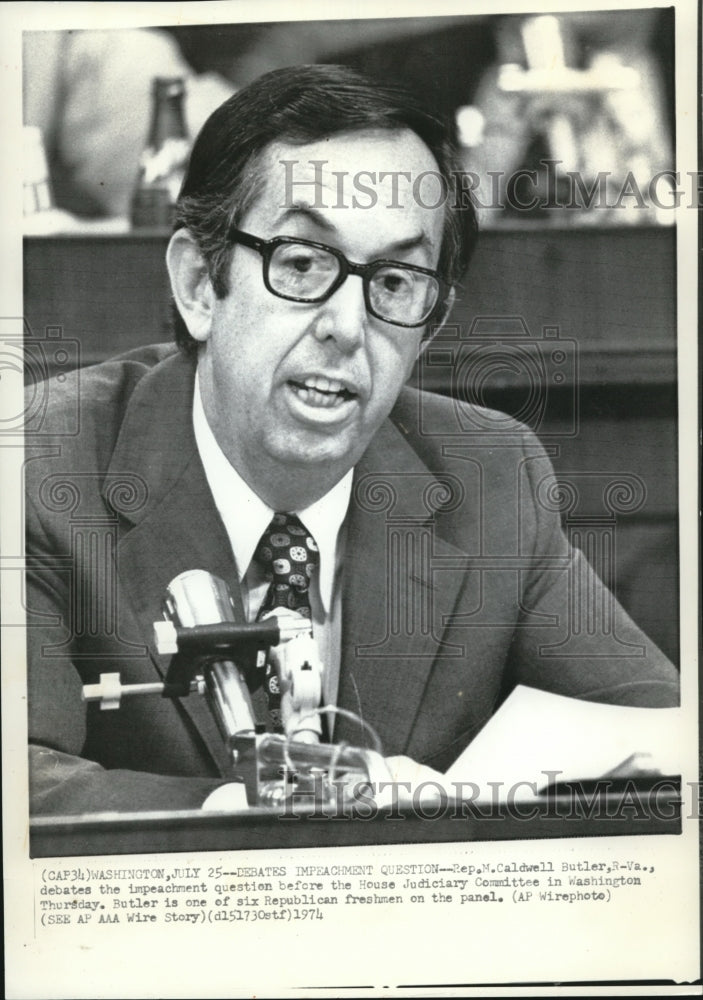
{"points": [[289, 557]]}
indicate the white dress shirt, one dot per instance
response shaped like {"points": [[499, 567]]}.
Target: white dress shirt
{"points": [[246, 517]]}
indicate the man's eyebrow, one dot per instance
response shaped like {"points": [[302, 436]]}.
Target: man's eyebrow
{"points": [[302, 208], [422, 240], [307, 211]]}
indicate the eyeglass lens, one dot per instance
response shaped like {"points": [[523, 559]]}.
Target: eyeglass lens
{"points": [[396, 293]]}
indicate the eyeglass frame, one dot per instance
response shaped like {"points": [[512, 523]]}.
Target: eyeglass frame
{"points": [[267, 248]]}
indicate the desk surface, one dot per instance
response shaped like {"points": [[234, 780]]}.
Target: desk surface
{"points": [[564, 816]]}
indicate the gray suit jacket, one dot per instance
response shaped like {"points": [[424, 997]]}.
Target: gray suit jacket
{"points": [[458, 584]]}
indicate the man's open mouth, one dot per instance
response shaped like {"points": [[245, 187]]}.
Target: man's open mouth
{"points": [[320, 391]]}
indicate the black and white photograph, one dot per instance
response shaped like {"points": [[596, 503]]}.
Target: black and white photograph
{"points": [[358, 617]]}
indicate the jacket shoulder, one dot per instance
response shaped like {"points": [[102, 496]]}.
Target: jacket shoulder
{"points": [[82, 412], [431, 420], [69, 405]]}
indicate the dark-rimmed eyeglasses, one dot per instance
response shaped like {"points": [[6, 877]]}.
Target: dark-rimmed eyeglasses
{"points": [[303, 271]]}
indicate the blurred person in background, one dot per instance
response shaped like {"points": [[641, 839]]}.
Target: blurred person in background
{"points": [[587, 91], [90, 94]]}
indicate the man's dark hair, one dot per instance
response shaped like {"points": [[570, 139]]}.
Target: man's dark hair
{"points": [[299, 105]]}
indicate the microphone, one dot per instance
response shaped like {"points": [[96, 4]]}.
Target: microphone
{"points": [[200, 632], [210, 653], [196, 604]]}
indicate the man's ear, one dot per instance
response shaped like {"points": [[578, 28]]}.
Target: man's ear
{"points": [[190, 283], [434, 328]]}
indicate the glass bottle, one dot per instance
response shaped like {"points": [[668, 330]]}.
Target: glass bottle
{"points": [[163, 161]]}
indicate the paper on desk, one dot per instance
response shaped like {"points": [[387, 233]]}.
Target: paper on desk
{"points": [[534, 732]]}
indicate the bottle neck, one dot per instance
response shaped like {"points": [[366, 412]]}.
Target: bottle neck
{"points": [[168, 121]]}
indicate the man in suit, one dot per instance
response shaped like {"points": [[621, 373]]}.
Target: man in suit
{"points": [[443, 576]]}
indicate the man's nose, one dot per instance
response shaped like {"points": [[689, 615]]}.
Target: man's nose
{"points": [[343, 317]]}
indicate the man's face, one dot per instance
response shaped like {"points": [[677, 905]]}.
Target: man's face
{"points": [[292, 388]]}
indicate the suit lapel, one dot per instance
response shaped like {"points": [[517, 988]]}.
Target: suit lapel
{"points": [[177, 528], [393, 601]]}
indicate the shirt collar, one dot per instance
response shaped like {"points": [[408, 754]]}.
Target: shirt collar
{"points": [[246, 516]]}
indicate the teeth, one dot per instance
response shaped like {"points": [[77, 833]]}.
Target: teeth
{"points": [[318, 396], [323, 384]]}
